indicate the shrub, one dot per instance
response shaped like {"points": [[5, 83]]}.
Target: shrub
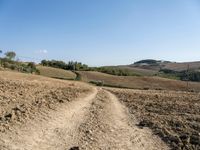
{"points": [[168, 71], [13, 67], [32, 67], [6, 65], [97, 83]]}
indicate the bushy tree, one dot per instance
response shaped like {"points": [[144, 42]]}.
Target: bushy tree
{"points": [[44, 63], [10, 55], [32, 67]]}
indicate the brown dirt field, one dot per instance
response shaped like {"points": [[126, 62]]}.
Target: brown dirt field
{"points": [[138, 82], [183, 66], [56, 73], [174, 116], [39, 113], [23, 96]]}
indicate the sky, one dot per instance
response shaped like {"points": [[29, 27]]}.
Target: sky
{"points": [[101, 32]]}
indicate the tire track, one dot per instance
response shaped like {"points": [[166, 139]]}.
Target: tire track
{"points": [[110, 127]]}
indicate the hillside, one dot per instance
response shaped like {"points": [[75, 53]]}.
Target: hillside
{"points": [[156, 65], [183, 66], [137, 82], [140, 71], [56, 73]]}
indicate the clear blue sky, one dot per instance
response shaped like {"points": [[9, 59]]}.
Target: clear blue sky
{"points": [[101, 32]]}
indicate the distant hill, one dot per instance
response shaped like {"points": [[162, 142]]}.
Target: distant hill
{"points": [[156, 65], [148, 62], [166, 69], [138, 70], [183, 66], [136, 82]]}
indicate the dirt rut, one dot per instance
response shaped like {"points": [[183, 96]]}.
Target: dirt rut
{"points": [[109, 126], [98, 121]]}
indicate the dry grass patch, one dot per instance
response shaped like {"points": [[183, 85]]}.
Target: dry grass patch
{"points": [[56, 73]]}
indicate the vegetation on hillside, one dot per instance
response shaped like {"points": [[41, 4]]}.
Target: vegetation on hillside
{"points": [[9, 62], [148, 61], [190, 75], [71, 65], [115, 71], [78, 66]]}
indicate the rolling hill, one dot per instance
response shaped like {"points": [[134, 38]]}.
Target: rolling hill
{"points": [[56, 73], [136, 82], [156, 65]]}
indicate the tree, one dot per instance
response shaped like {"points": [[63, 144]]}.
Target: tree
{"points": [[44, 63], [32, 67], [1, 51], [10, 55]]}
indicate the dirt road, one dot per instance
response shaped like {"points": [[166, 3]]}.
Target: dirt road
{"points": [[97, 121], [109, 126]]}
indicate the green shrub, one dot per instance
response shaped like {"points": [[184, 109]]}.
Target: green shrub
{"points": [[6, 65], [31, 67], [13, 67], [22, 67], [97, 83]]}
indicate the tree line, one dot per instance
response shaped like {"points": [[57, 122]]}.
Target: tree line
{"points": [[71, 65], [78, 66]]}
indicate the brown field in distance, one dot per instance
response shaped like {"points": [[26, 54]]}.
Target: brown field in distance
{"points": [[56, 73], [134, 82]]}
